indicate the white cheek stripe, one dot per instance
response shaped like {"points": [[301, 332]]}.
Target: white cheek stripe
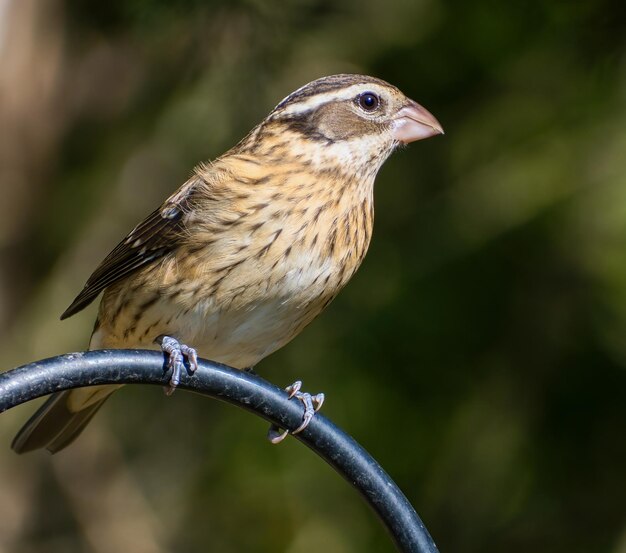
{"points": [[320, 99]]}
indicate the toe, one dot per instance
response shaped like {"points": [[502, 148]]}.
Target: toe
{"points": [[192, 357], [311, 404]]}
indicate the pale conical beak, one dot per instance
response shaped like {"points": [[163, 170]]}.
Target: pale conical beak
{"points": [[413, 122]]}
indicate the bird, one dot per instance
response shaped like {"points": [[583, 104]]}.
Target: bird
{"points": [[251, 248]]}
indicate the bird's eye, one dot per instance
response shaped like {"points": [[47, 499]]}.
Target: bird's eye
{"points": [[369, 101]]}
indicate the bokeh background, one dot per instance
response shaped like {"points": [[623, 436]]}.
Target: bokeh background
{"points": [[479, 354]]}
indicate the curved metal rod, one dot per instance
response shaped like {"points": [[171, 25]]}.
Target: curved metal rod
{"points": [[245, 390]]}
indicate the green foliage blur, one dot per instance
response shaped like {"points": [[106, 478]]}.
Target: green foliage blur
{"points": [[480, 352]]}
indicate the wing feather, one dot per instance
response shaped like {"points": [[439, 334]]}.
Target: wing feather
{"points": [[156, 236]]}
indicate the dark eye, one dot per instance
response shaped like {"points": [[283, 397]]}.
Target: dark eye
{"points": [[369, 101]]}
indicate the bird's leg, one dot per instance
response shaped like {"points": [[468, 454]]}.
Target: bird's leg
{"points": [[176, 353], [312, 405]]}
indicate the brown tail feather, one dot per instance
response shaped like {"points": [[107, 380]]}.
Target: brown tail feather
{"points": [[54, 426]]}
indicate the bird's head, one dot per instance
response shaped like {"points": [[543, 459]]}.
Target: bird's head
{"points": [[354, 120]]}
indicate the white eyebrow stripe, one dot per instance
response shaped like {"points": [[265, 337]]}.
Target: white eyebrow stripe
{"points": [[334, 95]]}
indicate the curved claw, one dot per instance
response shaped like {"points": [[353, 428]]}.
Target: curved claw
{"points": [[176, 353], [312, 404]]}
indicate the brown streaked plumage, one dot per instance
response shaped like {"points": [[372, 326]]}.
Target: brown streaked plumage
{"points": [[253, 246]]}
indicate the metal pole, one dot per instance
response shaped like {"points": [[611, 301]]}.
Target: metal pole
{"points": [[245, 390]]}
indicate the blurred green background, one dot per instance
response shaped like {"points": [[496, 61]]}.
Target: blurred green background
{"points": [[480, 352]]}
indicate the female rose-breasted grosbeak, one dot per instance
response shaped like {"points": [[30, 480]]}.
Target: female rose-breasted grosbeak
{"points": [[252, 247]]}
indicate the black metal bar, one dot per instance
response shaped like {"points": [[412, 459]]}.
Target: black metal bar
{"points": [[248, 391]]}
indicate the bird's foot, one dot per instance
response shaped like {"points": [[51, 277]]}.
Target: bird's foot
{"points": [[312, 405], [176, 353]]}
